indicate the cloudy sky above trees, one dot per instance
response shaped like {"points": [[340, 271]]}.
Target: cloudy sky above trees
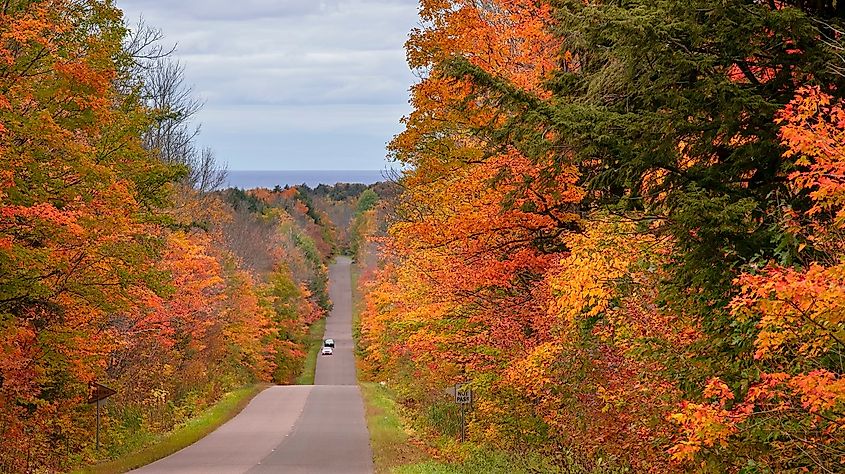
{"points": [[291, 84]]}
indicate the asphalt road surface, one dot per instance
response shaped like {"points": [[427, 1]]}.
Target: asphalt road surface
{"points": [[294, 429]]}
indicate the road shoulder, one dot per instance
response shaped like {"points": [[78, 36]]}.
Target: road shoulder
{"points": [[229, 406]]}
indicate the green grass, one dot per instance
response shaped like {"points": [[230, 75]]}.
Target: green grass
{"points": [[488, 462], [185, 435], [478, 458], [435, 467], [389, 441], [315, 342]]}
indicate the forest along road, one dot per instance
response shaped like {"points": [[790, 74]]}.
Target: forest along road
{"points": [[294, 429]]}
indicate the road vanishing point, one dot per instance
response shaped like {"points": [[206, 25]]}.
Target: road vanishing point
{"points": [[294, 429]]}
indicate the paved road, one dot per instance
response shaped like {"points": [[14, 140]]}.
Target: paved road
{"points": [[294, 429], [339, 369]]}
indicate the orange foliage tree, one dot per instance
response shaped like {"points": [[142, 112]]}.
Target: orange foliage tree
{"points": [[76, 197]]}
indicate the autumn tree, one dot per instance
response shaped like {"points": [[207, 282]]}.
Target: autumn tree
{"points": [[78, 196]]}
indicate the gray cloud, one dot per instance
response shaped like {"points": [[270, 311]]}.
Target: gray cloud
{"points": [[282, 74], [225, 10]]}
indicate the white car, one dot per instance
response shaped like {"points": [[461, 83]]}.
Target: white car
{"points": [[327, 351], [328, 343]]}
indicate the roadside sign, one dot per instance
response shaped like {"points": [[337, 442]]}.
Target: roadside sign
{"points": [[463, 396], [97, 392]]}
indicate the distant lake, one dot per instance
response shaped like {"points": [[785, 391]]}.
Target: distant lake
{"points": [[313, 178]]}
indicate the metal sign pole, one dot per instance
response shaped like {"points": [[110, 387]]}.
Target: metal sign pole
{"points": [[463, 424], [98, 425], [96, 394]]}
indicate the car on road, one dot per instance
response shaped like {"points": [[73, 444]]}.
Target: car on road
{"points": [[328, 343], [327, 351]]}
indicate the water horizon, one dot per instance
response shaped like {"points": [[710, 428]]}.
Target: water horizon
{"points": [[251, 179]]}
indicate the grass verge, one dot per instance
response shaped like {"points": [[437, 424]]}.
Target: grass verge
{"points": [[315, 342], [230, 405], [390, 443], [479, 459], [395, 452]]}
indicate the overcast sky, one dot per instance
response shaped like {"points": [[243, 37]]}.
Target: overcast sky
{"points": [[292, 84]]}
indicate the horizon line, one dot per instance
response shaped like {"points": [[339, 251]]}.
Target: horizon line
{"points": [[333, 169]]}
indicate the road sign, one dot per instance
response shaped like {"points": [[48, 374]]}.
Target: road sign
{"points": [[463, 395], [97, 392]]}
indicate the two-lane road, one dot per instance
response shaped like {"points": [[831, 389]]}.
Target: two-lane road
{"points": [[294, 429]]}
